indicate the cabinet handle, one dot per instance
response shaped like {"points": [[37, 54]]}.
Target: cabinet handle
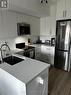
{"points": [[63, 13]]}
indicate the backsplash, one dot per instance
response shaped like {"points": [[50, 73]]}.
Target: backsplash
{"points": [[12, 41], [43, 38], [25, 39]]}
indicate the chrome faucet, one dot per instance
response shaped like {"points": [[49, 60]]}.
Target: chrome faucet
{"points": [[4, 52]]}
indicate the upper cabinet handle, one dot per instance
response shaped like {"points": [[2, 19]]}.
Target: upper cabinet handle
{"points": [[63, 13]]}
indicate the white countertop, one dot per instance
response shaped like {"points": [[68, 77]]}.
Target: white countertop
{"points": [[25, 70], [42, 45]]}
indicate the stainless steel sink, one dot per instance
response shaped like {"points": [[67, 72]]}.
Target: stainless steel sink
{"points": [[12, 60]]}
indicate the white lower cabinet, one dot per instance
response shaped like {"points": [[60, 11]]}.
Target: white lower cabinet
{"points": [[45, 53], [38, 52]]}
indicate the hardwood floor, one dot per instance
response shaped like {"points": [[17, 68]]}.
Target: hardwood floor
{"points": [[59, 82]]}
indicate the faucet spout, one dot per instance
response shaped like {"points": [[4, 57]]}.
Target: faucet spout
{"points": [[5, 50]]}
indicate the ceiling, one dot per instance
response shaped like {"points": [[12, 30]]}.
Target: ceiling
{"points": [[31, 7]]}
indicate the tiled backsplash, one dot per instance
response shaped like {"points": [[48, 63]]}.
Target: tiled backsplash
{"points": [[43, 38], [12, 41], [25, 39]]}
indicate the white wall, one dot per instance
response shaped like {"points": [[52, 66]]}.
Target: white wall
{"points": [[8, 26]]}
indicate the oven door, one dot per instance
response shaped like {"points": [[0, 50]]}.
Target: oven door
{"points": [[30, 53]]}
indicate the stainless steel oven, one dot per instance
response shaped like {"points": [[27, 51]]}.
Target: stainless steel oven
{"points": [[28, 51]]}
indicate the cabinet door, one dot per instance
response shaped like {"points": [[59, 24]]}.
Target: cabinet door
{"points": [[38, 53], [51, 57], [19, 17], [68, 9], [42, 26], [1, 24], [45, 26], [47, 54], [52, 27], [61, 6]]}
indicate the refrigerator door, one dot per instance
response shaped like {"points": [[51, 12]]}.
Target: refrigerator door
{"points": [[62, 60], [63, 35]]}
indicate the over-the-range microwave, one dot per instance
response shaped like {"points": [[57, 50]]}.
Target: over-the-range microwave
{"points": [[23, 29]]}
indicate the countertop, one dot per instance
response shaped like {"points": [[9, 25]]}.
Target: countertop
{"points": [[36, 45], [25, 70], [44, 44]]}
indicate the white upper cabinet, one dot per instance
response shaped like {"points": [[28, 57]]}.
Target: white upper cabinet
{"points": [[19, 18], [63, 9], [1, 24], [60, 12], [42, 26], [47, 26], [68, 9]]}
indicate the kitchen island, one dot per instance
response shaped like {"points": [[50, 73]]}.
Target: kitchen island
{"points": [[28, 77]]}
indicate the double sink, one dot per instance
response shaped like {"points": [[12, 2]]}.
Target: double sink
{"points": [[12, 60]]}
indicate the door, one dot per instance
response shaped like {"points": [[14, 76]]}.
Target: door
{"points": [[63, 35], [61, 60]]}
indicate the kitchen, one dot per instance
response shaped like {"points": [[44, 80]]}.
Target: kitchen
{"points": [[43, 26]]}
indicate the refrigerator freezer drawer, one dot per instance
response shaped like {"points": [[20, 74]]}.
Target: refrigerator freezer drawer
{"points": [[61, 60]]}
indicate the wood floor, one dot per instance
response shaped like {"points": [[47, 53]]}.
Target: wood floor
{"points": [[59, 82]]}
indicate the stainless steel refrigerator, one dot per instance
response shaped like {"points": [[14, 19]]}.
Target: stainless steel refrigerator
{"points": [[62, 45]]}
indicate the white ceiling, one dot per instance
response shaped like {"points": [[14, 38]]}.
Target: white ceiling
{"points": [[31, 7], [29, 11]]}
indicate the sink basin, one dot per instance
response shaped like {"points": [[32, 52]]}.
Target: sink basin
{"points": [[12, 60]]}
